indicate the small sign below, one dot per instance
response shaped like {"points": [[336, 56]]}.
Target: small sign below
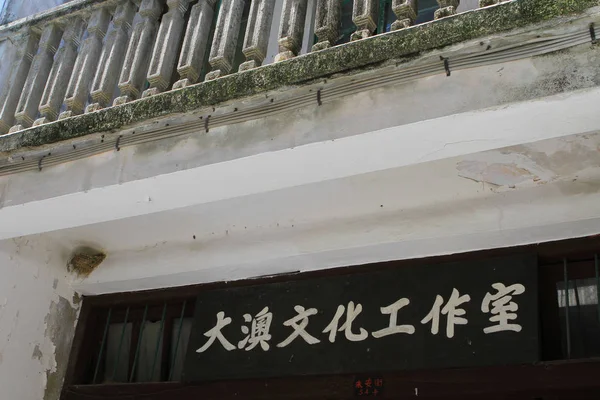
{"points": [[368, 386]]}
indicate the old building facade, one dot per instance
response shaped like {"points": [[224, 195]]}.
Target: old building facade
{"points": [[166, 165]]}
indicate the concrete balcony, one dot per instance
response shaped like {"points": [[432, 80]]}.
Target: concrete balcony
{"points": [[94, 66], [90, 55]]}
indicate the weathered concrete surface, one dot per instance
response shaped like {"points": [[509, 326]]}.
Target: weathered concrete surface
{"points": [[38, 313], [368, 52], [370, 110], [541, 191], [440, 204], [393, 193], [465, 179]]}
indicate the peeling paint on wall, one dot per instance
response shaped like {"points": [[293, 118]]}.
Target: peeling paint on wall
{"points": [[506, 167], [60, 328], [537, 162], [494, 174], [570, 156], [38, 315]]}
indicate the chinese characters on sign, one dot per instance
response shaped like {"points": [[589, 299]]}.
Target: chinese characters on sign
{"points": [[261, 323], [368, 386], [434, 316]]}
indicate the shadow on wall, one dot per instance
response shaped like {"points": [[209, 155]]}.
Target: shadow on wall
{"points": [[14, 9]]}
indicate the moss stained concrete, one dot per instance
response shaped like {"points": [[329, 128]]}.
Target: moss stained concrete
{"points": [[355, 55]]}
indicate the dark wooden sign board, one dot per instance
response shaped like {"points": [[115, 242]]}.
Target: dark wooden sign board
{"points": [[453, 294]]}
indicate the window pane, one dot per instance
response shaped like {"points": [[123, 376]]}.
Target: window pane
{"points": [[584, 326], [150, 353], [426, 10], [347, 26], [115, 332], [178, 358]]}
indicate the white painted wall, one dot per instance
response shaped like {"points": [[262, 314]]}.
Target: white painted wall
{"points": [[466, 5], [548, 190], [16, 9], [2, 5], [37, 318]]}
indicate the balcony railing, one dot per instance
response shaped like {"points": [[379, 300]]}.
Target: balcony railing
{"points": [[89, 54]]}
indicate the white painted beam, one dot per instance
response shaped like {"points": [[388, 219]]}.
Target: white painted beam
{"points": [[182, 275], [395, 147], [454, 215]]}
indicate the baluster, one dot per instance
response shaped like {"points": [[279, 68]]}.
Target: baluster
{"points": [[327, 23], [225, 39], [137, 59], [36, 79], [364, 16], [56, 86], [195, 40], [27, 45], [406, 13], [256, 40], [447, 8], [112, 56], [166, 47], [86, 64], [291, 29]]}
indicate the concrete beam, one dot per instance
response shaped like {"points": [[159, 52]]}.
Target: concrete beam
{"points": [[395, 147]]}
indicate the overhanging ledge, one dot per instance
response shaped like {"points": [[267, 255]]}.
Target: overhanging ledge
{"points": [[396, 147], [355, 55]]}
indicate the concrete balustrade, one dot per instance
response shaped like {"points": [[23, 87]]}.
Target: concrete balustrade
{"points": [[102, 54]]}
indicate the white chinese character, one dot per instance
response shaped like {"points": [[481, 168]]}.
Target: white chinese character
{"points": [[503, 308], [392, 310], [454, 314], [258, 332], [300, 328], [215, 333], [351, 315]]}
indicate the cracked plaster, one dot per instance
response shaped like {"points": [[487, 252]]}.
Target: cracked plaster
{"points": [[38, 313]]}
